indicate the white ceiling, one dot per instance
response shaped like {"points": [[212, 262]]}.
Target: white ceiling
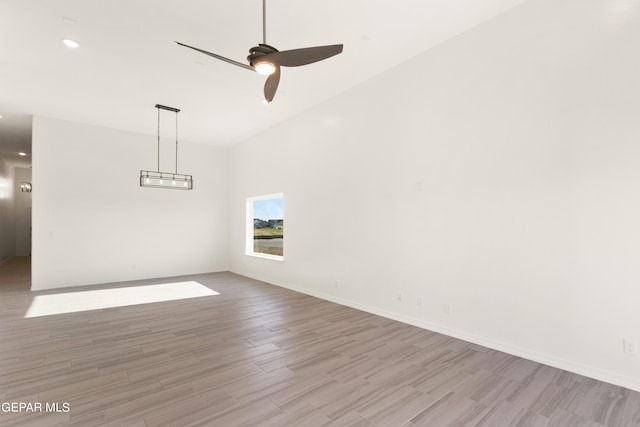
{"points": [[127, 60]]}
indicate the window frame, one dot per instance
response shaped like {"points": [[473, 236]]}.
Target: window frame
{"points": [[249, 241]]}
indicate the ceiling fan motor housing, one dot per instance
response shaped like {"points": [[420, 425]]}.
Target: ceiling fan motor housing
{"points": [[256, 52]]}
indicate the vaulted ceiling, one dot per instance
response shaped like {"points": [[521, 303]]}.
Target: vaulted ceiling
{"points": [[127, 60]]}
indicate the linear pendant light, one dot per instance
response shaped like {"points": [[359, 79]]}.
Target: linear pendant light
{"points": [[170, 180]]}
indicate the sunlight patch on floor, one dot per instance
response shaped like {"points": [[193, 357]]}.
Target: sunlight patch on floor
{"points": [[71, 302]]}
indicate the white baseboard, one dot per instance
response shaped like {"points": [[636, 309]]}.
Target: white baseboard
{"points": [[546, 359]]}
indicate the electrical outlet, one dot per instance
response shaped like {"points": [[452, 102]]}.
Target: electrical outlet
{"points": [[448, 309], [419, 301], [629, 347]]}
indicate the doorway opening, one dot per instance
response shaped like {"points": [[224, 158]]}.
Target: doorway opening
{"points": [[16, 186]]}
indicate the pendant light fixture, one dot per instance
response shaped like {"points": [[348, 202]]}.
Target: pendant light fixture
{"points": [[171, 180], [26, 187]]}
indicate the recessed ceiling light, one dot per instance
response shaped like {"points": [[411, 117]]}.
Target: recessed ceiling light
{"points": [[22, 154], [0, 116], [70, 43]]}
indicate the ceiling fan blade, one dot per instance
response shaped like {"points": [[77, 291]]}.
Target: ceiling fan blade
{"points": [[222, 58], [271, 85], [304, 56]]}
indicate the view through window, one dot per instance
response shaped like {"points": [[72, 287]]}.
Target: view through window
{"points": [[266, 226]]}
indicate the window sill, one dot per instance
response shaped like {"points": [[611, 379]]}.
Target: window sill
{"points": [[266, 256]]}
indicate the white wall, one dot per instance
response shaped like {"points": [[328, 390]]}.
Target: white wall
{"points": [[92, 223], [497, 173], [7, 212], [22, 213]]}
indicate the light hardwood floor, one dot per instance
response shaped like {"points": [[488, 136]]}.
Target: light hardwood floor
{"points": [[260, 355]]}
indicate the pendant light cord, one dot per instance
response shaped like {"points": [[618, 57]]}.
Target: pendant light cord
{"points": [[175, 110], [176, 142], [158, 138]]}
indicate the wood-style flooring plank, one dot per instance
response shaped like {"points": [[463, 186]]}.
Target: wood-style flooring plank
{"points": [[260, 355]]}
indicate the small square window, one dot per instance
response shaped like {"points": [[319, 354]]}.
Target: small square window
{"points": [[265, 226]]}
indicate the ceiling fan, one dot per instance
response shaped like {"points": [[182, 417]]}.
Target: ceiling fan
{"points": [[267, 60]]}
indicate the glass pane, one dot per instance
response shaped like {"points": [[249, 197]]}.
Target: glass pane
{"points": [[268, 226]]}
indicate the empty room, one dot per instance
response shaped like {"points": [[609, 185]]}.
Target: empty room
{"points": [[336, 213]]}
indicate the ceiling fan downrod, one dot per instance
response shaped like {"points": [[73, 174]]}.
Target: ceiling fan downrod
{"points": [[264, 21]]}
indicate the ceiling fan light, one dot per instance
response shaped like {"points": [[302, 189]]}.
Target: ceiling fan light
{"points": [[265, 68]]}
